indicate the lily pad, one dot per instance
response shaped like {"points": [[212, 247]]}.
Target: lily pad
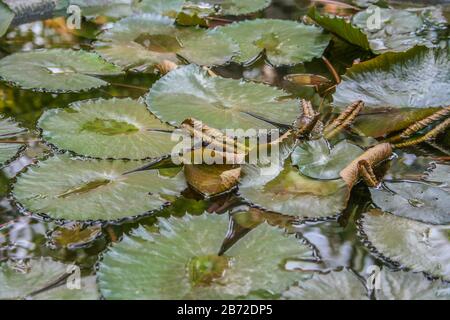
{"points": [[415, 200], [145, 40], [294, 194], [317, 160], [43, 279], [6, 17], [418, 246], [182, 262], [107, 8], [418, 78], [56, 70], [284, 42], [439, 173], [231, 7], [400, 29], [9, 130], [169, 8], [219, 102], [73, 189], [115, 128]]}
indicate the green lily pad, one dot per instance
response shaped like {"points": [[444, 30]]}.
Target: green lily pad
{"points": [[340, 27], [285, 42], [9, 130], [6, 17], [439, 173], [418, 246], [169, 8], [401, 29], [115, 128], [415, 200], [43, 279], [418, 78], [145, 40], [219, 102], [72, 189], [317, 160], [56, 70], [335, 285], [107, 8], [181, 262], [231, 7], [294, 194]]}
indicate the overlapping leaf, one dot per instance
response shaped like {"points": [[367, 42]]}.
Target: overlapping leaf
{"points": [[9, 130]]}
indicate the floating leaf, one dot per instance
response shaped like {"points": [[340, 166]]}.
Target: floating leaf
{"points": [[439, 173], [107, 8], [400, 29], [219, 102], [340, 27], [146, 40], [169, 8], [181, 262], [416, 245], [415, 200], [42, 279], [9, 130], [6, 17], [317, 160], [72, 189], [293, 194], [284, 42], [56, 70], [115, 128], [74, 235], [231, 7], [335, 285]]}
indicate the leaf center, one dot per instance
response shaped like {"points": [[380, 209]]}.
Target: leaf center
{"points": [[89, 186], [269, 41], [204, 270], [109, 127], [161, 43]]}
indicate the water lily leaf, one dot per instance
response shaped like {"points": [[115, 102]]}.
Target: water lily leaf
{"points": [[115, 128], [145, 40], [415, 200], [74, 235], [56, 70], [169, 8], [416, 245], [317, 160], [218, 102], [400, 29], [9, 130], [210, 180], [6, 17], [335, 285], [73, 189], [284, 42], [231, 7], [340, 27], [181, 262], [439, 173], [20, 282], [418, 78], [107, 8], [294, 194]]}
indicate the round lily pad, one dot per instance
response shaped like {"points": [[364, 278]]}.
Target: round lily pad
{"points": [[182, 262], [9, 130], [219, 102], [68, 188], [145, 40], [316, 159], [416, 245], [294, 194], [114, 128], [56, 70], [285, 42], [418, 78], [415, 200], [43, 279]]}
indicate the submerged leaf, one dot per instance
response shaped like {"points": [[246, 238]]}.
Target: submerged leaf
{"points": [[219, 102], [181, 262], [284, 42], [43, 279], [9, 130], [56, 70], [293, 194], [415, 200], [74, 235], [316, 159], [146, 40], [416, 245], [68, 188], [115, 128]]}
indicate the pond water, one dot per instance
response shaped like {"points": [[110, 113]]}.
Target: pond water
{"points": [[22, 236]]}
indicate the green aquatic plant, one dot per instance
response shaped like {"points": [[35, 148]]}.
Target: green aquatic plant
{"points": [[9, 145]]}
